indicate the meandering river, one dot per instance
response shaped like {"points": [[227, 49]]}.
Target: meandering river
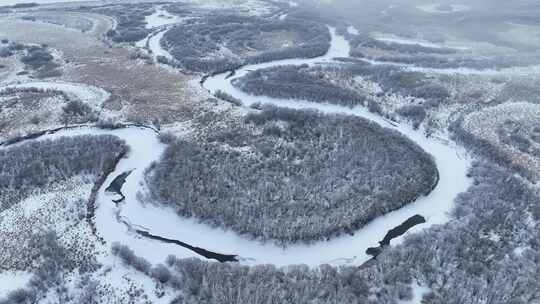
{"points": [[132, 221]]}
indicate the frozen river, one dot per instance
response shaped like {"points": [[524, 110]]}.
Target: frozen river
{"points": [[120, 222]]}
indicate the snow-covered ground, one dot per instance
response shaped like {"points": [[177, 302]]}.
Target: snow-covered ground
{"points": [[518, 71], [10, 281], [155, 46], [160, 18], [421, 42], [512, 71], [418, 294], [353, 30], [435, 8]]}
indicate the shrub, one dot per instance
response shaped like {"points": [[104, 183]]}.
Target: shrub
{"points": [[161, 273], [166, 137], [415, 113], [228, 98], [37, 57], [129, 258], [76, 111]]}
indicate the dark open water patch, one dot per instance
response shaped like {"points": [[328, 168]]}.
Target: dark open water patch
{"points": [[116, 186], [201, 251], [394, 233]]}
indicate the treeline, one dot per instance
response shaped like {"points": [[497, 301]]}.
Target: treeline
{"points": [[298, 82], [491, 151], [365, 41], [14, 91], [228, 98], [303, 176], [196, 281], [130, 20], [28, 167], [198, 45]]}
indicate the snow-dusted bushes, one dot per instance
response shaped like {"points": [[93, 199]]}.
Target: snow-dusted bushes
{"points": [[299, 176], [76, 111], [414, 113], [298, 82], [26, 167], [220, 42], [129, 258], [37, 57], [228, 98]]}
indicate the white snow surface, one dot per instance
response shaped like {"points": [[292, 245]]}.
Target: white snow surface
{"points": [[418, 293], [12, 280], [155, 46], [517, 71], [353, 30], [411, 41], [160, 18], [434, 8]]}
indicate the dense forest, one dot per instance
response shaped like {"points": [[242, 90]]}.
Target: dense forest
{"points": [[29, 167], [298, 82], [220, 42], [290, 175]]}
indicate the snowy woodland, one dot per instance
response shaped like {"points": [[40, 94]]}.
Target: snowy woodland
{"points": [[37, 165], [303, 132], [221, 42], [290, 176], [298, 82]]}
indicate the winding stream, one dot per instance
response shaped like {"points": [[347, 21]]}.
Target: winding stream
{"points": [[153, 231]]}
